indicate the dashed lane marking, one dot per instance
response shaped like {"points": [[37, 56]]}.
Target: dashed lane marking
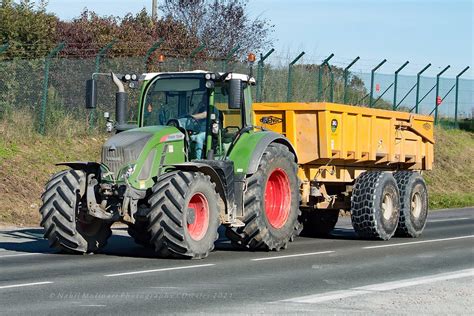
{"points": [[160, 270], [418, 242], [295, 255], [23, 285]]}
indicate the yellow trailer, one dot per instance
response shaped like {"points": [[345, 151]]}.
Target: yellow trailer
{"points": [[346, 154]]}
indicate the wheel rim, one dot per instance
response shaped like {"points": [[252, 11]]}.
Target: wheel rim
{"points": [[198, 228], [416, 205], [387, 206], [277, 198]]}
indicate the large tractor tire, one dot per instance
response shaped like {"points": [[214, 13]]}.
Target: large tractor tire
{"points": [[66, 226], [375, 205], [184, 215], [271, 203], [140, 234], [413, 204], [318, 223]]}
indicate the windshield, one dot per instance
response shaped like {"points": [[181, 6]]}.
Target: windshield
{"points": [[176, 99]]}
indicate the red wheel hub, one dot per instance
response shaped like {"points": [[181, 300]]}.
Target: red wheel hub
{"points": [[277, 198], [198, 228]]}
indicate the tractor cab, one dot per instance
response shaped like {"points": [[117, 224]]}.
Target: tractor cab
{"points": [[210, 109]]}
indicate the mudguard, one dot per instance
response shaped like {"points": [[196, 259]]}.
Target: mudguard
{"points": [[87, 166], [249, 149]]}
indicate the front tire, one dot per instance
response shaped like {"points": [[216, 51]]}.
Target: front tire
{"points": [[66, 226], [413, 204], [375, 205], [184, 216], [271, 203]]}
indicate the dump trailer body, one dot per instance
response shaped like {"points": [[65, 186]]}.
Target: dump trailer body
{"points": [[336, 142]]}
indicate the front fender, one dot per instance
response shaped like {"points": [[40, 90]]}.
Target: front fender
{"points": [[88, 166]]}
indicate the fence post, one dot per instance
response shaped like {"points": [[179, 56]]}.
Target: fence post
{"points": [[195, 51], [418, 86], [260, 68], [456, 97], [44, 100], [437, 91], [320, 77], [395, 84], [290, 77], [346, 78], [150, 51], [98, 58], [229, 56], [4, 47], [372, 74]]}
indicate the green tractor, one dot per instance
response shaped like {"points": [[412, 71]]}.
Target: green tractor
{"points": [[194, 162]]}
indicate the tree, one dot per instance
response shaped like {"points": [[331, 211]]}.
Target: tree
{"points": [[89, 32], [221, 25], [29, 31]]}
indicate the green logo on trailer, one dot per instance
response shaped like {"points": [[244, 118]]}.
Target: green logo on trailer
{"points": [[334, 124]]}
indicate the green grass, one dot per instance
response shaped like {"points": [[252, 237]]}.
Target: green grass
{"points": [[451, 200], [7, 149]]}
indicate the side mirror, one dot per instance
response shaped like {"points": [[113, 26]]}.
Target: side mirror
{"points": [[91, 94], [235, 94]]}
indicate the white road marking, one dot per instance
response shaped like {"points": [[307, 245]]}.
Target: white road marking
{"points": [[22, 254], [92, 305], [24, 284], [418, 242], [380, 287], [160, 270], [449, 219], [291, 256]]}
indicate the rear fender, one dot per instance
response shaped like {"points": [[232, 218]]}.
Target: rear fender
{"points": [[249, 149]]}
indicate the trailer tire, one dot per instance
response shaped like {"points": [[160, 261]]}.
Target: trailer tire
{"points": [[413, 204], [375, 205], [67, 228], [271, 203], [318, 223], [140, 234], [178, 231]]}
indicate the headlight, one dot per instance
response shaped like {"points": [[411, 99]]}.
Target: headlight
{"points": [[126, 172], [208, 76]]}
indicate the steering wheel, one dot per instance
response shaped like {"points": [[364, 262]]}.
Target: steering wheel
{"points": [[188, 122]]}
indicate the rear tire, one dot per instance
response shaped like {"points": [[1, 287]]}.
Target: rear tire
{"points": [[66, 227], [413, 203], [184, 215], [375, 205], [318, 223], [271, 203]]}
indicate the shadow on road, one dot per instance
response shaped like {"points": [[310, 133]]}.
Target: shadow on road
{"points": [[122, 245]]}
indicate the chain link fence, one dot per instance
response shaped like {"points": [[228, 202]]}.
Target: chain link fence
{"points": [[51, 94]]}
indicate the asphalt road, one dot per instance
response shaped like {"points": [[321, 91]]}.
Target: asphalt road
{"points": [[336, 275]]}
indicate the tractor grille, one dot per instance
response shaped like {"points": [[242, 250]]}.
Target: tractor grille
{"points": [[123, 148]]}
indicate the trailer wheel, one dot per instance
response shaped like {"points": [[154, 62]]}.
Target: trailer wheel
{"points": [[184, 216], [271, 203], [140, 234], [375, 205], [318, 223], [66, 227], [413, 204]]}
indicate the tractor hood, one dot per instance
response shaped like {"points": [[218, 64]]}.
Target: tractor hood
{"points": [[126, 147]]}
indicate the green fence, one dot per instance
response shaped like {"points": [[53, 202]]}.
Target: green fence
{"points": [[54, 86]]}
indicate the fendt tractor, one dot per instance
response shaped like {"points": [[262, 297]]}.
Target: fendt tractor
{"points": [[203, 155]]}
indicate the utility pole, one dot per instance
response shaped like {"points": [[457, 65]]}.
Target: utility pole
{"points": [[154, 10]]}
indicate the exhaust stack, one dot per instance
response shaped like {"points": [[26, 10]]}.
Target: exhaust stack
{"points": [[121, 101]]}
